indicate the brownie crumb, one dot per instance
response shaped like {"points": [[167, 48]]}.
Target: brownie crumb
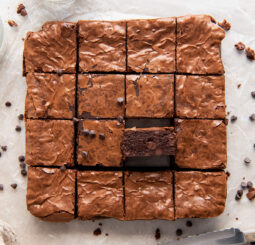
{"points": [[225, 121], [188, 223], [228, 174], [100, 224], [250, 53], [239, 85], [4, 147], [1, 187], [251, 194], [23, 172], [225, 25], [179, 232], [240, 46], [12, 23], [21, 117], [21, 158], [18, 128], [157, 234], [14, 186], [233, 118], [249, 184], [63, 168], [106, 234], [237, 218], [20, 7], [23, 12], [247, 160], [97, 232], [0, 154], [23, 39], [8, 104]]}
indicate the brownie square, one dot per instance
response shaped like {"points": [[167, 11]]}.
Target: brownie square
{"points": [[200, 96], [100, 195], [150, 96], [151, 45], [99, 143], [50, 96], [198, 45], [51, 49], [149, 195], [49, 142], [102, 46], [101, 96], [155, 141], [201, 144], [200, 194], [51, 193]]}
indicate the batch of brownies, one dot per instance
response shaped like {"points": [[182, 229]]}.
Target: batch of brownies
{"points": [[85, 79]]}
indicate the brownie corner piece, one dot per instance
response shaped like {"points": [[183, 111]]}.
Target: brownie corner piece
{"points": [[51, 194]]}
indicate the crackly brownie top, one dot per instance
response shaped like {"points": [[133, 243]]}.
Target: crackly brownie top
{"points": [[200, 194], [51, 193], [52, 48]]}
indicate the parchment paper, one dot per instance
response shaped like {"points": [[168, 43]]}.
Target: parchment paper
{"points": [[241, 134]]}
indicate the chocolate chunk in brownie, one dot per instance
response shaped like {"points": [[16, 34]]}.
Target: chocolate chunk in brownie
{"points": [[51, 193], [200, 194], [98, 96], [149, 195], [151, 45], [100, 195], [198, 45], [200, 96], [50, 96], [102, 46], [150, 96], [49, 142], [155, 141], [201, 144]]}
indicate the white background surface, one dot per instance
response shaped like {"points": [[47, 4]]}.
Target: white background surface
{"points": [[241, 135]]}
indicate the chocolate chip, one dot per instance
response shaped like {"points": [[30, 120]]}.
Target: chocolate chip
{"points": [[12, 23], [251, 194], [75, 119], [8, 103], [101, 136], [85, 132], [120, 119], [228, 174], [179, 232], [1, 187], [92, 133], [63, 168], [106, 234], [250, 53], [249, 184], [233, 118], [100, 224], [22, 165], [59, 72], [20, 7], [4, 148], [189, 223], [120, 100], [21, 158], [239, 85], [253, 145], [247, 160], [23, 12], [243, 184], [252, 117], [237, 197], [23, 172], [14, 186], [84, 154], [0, 154], [253, 94], [21, 117], [240, 46], [157, 234], [18, 128], [97, 232], [239, 192]]}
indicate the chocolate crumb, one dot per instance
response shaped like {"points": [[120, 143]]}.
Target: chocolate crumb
{"points": [[97, 232], [4, 147], [249, 184], [237, 197], [225, 25], [21, 158], [251, 194], [18, 128], [8, 103], [240, 193], [247, 160], [225, 121], [21, 117], [14, 186], [106, 234], [239, 85], [243, 184], [23, 39], [188, 223], [253, 94], [250, 53], [101, 136], [233, 118], [92, 133], [120, 100], [12, 23], [63, 168], [157, 234], [228, 174], [84, 154], [179, 232], [1, 187], [0, 154], [20, 7], [23, 172], [23, 12], [100, 224], [22, 165], [237, 218], [240, 46]]}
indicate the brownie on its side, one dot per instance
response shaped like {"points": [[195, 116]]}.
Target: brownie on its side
{"points": [[200, 97], [52, 49], [150, 96], [49, 142], [198, 45], [200, 194], [201, 144], [102, 46], [149, 195], [100, 195], [101, 96], [99, 143], [51, 193], [151, 45], [50, 96], [155, 141]]}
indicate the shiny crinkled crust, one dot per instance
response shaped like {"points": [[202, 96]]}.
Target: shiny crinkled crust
{"points": [[102, 46], [200, 194], [150, 96], [201, 144], [98, 95], [151, 45], [51, 194], [52, 48], [50, 96], [200, 96], [49, 142], [198, 45], [100, 195], [149, 195]]}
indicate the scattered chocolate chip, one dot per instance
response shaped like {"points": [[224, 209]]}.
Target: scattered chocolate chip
{"points": [[179, 232], [23, 172], [21, 158], [22, 165], [251, 194], [106, 234], [85, 132], [250, 53], [75, 119], [239, 85], [8, 103], [97, 232], [23, 12], [101, 136], [225, 25], [237, 218], [20, 7], [18, 128], [157, 234], [225, 121], [84, 154], [21, 117], [189, 223], [240, 193], [14, 186], [243, 184], [253, 145], [233, 118], [59, 72], [228, 174], [237, 197], [120, 119], [63, 168], [249, 184], [92, 133], [252, 117], [0, 154], [12, 23], [120, 100], [247, 160], [240, 46], [1, 187], [4, 147], [253, 94], [100, 224]]}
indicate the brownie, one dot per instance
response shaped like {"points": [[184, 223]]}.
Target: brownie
{"points": [[149, 195], [155, 141], [51, 49], [51, 193], [151, 45], [200, 194], [101, 96], [49, 142], [102, 46], [100, 195], [99, 143], [200, 97], [150, 96], [198, 45], [50, 96], [201, 144]]}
